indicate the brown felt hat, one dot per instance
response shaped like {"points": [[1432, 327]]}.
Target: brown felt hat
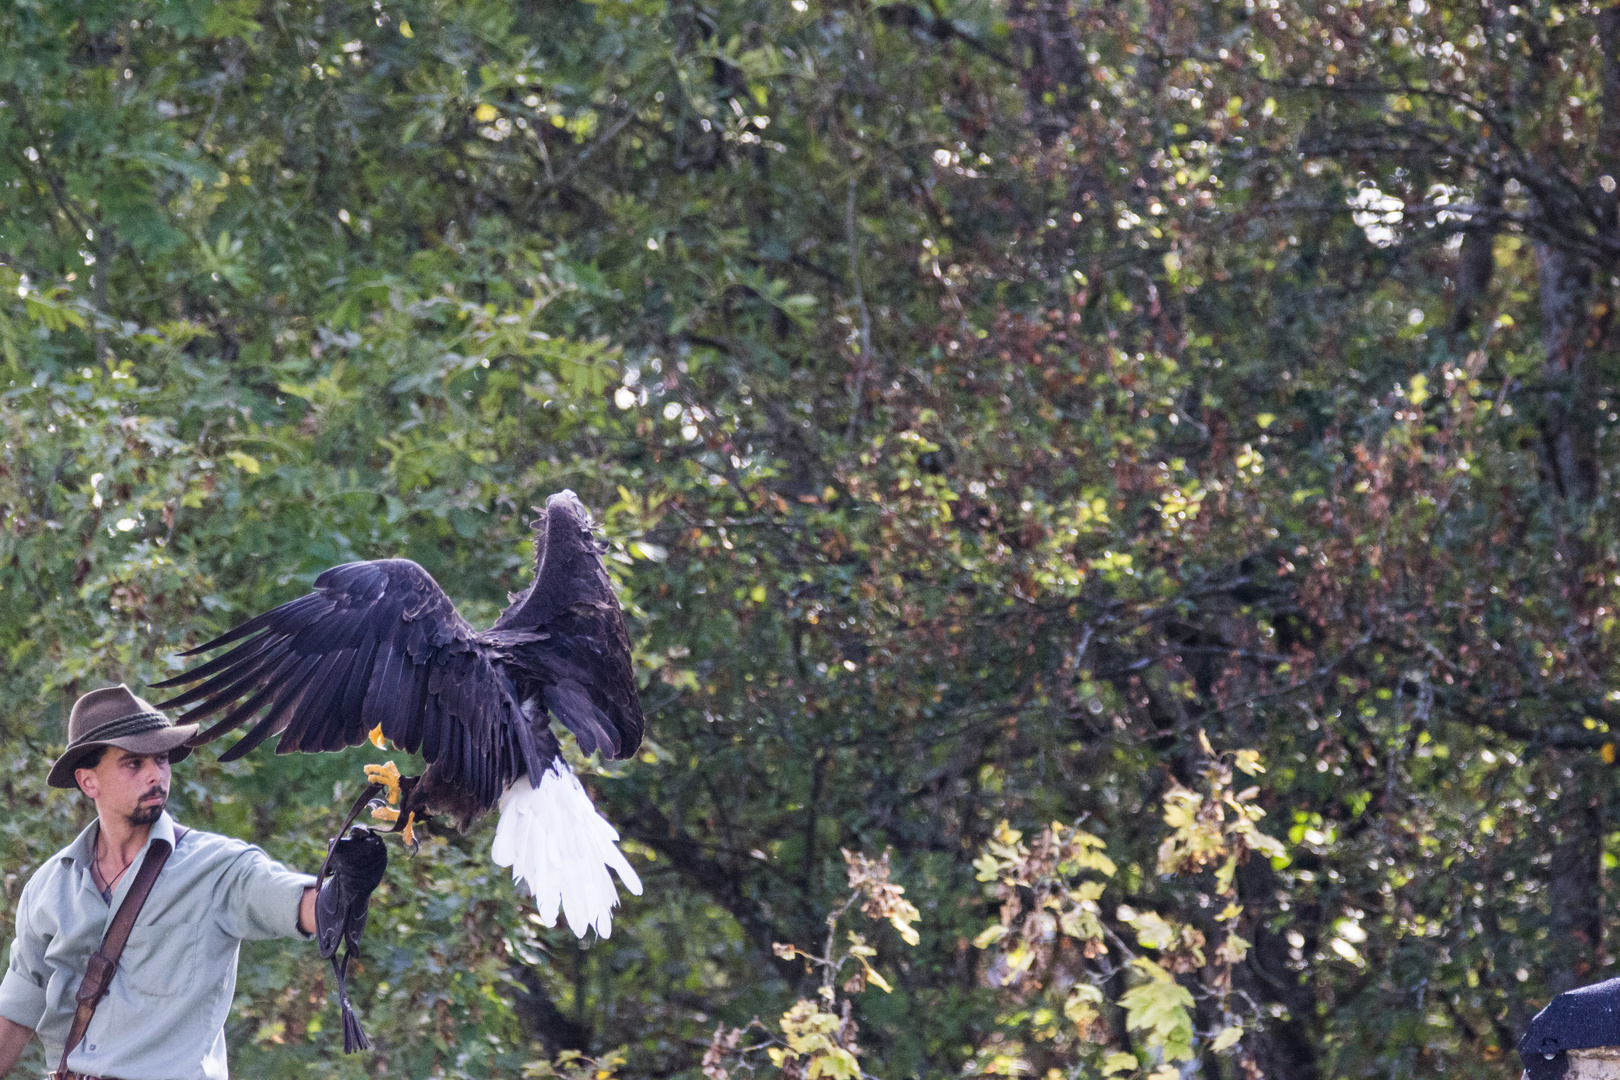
{"points": [[113, 716]]}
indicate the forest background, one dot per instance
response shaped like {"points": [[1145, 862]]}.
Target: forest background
{"points": [[1016, 426]]}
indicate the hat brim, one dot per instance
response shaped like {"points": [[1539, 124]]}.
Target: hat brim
{"points": [[170, 740]]}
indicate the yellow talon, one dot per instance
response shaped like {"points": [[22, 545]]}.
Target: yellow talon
{"points": [[410, 829], [376, 737], [385, 813], [388, 776]]}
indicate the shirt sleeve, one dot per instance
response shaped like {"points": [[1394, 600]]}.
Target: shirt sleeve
{"points": [[22, 991], [259, 898]]}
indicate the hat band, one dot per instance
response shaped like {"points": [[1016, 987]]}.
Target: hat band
{"points": [[138, 724]]}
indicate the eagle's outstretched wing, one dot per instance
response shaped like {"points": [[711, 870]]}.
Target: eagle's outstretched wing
{"points": [[376, 644], [579, 649]]}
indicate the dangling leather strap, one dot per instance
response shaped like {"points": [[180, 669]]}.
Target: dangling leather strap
{"points": [[371, 792], [104, 961]]}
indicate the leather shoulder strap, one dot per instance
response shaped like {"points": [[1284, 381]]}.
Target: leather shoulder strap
{"points": [[104, 961]]}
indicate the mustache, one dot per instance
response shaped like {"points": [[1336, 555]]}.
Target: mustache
{"points": [[157, 791]]}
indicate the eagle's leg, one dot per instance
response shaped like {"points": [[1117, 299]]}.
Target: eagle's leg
{"points": [[388, 776], [399, 791], [407, 830]]}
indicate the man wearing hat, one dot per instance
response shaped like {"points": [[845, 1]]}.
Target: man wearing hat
{"points": [[164, 1014]]}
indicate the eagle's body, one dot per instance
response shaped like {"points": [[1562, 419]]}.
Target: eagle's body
{"points": [[379, 646]]}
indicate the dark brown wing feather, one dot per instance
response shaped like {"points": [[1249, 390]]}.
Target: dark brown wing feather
{"points": [[578, 649], [376, 644]]}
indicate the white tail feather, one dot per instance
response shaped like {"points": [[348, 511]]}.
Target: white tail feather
{"points": [[553, 839]]}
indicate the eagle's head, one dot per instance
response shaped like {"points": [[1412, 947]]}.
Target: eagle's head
{"points": [[566, 542], [566, 505], [567, 564], [563, 526]]}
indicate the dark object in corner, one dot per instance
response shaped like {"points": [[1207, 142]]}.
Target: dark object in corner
{"points": [[1576, 1020], [357, 863]]}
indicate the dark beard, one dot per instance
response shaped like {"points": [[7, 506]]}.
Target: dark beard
{"points": [[146, 815]]}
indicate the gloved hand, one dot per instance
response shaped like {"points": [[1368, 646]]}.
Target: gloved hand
{"points": [[355, 866]]}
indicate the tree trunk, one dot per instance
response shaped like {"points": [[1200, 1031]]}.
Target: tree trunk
{"points": [[1567, 428], [1576, 886], [1284, 1049]]}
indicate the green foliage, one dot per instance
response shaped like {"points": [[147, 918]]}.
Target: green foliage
{"points": [[981, 400], [1055, 955], [817, 1038]]}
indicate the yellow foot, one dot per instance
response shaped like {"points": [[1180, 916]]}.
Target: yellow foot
{"points": [[409, 834], [388, 776], [384, 813]]}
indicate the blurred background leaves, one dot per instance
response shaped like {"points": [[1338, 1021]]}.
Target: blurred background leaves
{"points": [[980, 400]]}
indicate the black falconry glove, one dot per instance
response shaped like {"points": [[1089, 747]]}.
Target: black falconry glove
{"points": [[1581, 1019], [356, 865]]}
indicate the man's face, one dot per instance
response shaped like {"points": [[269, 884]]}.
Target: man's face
{"points": [[133, 786]]}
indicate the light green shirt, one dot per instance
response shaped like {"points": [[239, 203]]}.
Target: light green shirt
{"points": [[164, 1015]]}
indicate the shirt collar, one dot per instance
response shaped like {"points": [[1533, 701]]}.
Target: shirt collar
{"points": [[163, 830], [83, 852], [83, 849]]}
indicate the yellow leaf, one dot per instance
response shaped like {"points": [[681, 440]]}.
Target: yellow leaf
{"points": [[405, 29], [1080, 1006], [1081, 1015], [246, 462], [1116, 1063], [1233, 950], [1226, 1038], [1096, 860], [1152, 931], [989, 936], [485, 113], [1020, 959], [837, 1063]]}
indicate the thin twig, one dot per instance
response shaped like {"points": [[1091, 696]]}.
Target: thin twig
{"points": [[860, 303], [607, 137]]}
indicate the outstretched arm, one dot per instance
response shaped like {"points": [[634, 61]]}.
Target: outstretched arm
{"points": [[13, 1041], [258, 898], [306, 911]]}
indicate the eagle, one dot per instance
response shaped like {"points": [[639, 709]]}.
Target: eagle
{"points": [[378, 651]]}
